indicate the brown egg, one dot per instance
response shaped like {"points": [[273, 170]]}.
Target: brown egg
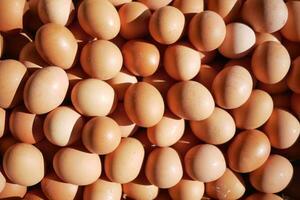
{"points": [[207, 31], [217, 129], [76, 166], [2, 182], [255, 112], [168, 130], [45, 89], [6, 142], [2, 121], [134, 18], [291, 29], [140, 191], [101, 59], [187, 189], [89, 94], [293, 77], [99, 19], [102, 189], [181, 61], [63, 126], [266, 37], [229, 186], [238, 42], [206, 76], [205, 163], [263, 196], [228, 10], [1, 45], [189, 6], [119, 2], [54, 40], [13, 191], [25, 126], [56, 189], [295, 99], [144, 104], [155, 4], [13, 74], [190, 100], [163, 167], [282, 128], [273, 176], [276, 88], [166, 25], [270, 62], [232, 87], [251, 144], [20, 161], [35, 194], [30, 57], [141, 64]]}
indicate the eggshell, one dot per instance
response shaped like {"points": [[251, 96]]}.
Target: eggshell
{"points": [[155, 4], [30, 57], [293, 81], [163, 167], [187, 189], [232, 87], [18, 169], [144, 104], [99, 19], [6, 142], [2, 121], [295, 99], [54, 40], [13, 191], [205, 163], [273, 176], [228, 10], [77, 166], [2, 182], [238, 41], [190, 100], [206, 76], [140, 191], [119, 2], [217, 129], [291, 28], [251, 144], [263, 196], [13, 75], [189, 6], [89, 94], [1, 45], [35, 194], [266, 37]]}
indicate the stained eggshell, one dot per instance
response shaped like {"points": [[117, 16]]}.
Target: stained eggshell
{"points": [[13, 191], [189, 6], [187, 189], [30, 57], [141, 191], [155, 4], [293, 81], [291, 28], [228, 10], [2, 121], [206, 76], [263, 196]]}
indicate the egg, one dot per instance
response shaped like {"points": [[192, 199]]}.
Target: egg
{"points": [[251, 144], [134, 17], [187, 189], [89, 94], [207, 31], [206, 76], [238, 41], [293, 81], [76, 166], [291, 28], [1, 45], [119, 2], [6, 142], [143, 191], [35, 194], [263, 196], [56, 189], [166, 25], [295, 105], [25, 126], [124, 163], [255, 112], [47, 85], [18, 169], [217, 129], [2, 121], [266, 37], [190, 100], [2, 182], [54, 40], [100, 19], [13, 191], [102, 189], [189, 6], [273, 176], [144, 104], [30, 57], [228, 10], [63, 126], [13, 75], [155, 4]]}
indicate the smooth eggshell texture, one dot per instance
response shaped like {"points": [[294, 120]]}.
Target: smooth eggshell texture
{"points": [[155, 4], [228, 9], [30, 57], [293, 80], [189, 6], [2, 121], [102, 189], [187, 189], [291, 29], [263, 196], [12, 191], [206, 76], [140, 191]]}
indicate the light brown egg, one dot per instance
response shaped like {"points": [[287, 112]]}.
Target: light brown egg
{"points": [[155, 4], [293, 81], [276, 88], [217, 129], [119, 2], [255, 112], [163, 167], [13, 75], [140, 191], [6, 142], [101, 59], [190, 100], [89, 94], [295, 99], [232, 87], [273, 176], [54, 40], [35, 194], [1, 45], [207, 31], [291, 29], [227, 187], [99, 19], [228, 10], [2, 182], [270, 62], [56, 189], [182, 61], [263, 196], [25, 126], [134, 18], [144, 104], [45, 89], [187, 189], [13, 191], [251, 144], [166, 25], [102, 189], [18, 169], [2, 121], [30, 57], [76, 166], [189, 6], [282, 128], [266, 37], [63, 126], [238, 41], [206, 76]]}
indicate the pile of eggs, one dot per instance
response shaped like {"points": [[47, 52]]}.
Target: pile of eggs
{"points": [[149, 99]]}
